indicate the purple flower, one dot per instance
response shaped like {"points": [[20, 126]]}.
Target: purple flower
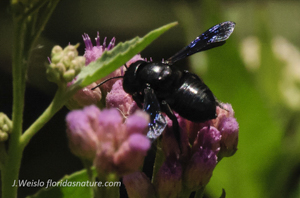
{"points": [[138, 185], [199, 169], [121, 150], [202, 144], [118, 98], [92, 53], [225, 112], [86, 96], [81, 130], [104, 138], [168, 182], [208, 137], [229, 129]]}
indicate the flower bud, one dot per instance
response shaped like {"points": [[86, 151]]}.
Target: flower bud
{"points": [[229, 129], [118, 98], [92, 53], [85, 97], [225, 112], [56, 54], [199, 169], [130, 155], [208, 137], [168, 181], [122, 146], [138, 185], [5, 127], [65, 64], [137, 123], [81, 128]]}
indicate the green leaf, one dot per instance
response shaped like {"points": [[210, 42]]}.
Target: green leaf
{"points": [[118, 56], [65, 191]]}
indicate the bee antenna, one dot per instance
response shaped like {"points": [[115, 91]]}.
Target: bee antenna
{"points": [[126, 66], [106, 81]]}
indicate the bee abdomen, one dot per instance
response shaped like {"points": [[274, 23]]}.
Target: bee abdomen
{"points": [[193, 100]]}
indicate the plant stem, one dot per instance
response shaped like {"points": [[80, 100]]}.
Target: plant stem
{"points": [[61, 97], [57, 103], [10, 172], [22, 35], [107, 191]]}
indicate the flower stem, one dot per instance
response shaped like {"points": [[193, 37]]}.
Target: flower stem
{"points": [[57, 103], [107, 191], [10, 171], [23, 39]]}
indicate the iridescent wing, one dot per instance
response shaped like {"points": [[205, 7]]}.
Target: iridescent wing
{"points": [[213, 37], [158, 122]]}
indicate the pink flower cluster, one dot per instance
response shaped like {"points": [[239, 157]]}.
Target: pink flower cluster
{"points": [[102, 137], [86, 96], [202, 146]]}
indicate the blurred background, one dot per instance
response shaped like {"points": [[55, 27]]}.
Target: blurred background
{"points": [[257, 71]]}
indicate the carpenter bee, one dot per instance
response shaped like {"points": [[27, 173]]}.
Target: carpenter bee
{"points": [[159, 87]]}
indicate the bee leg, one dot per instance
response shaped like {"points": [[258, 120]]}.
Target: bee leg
{"points": [[138, 99], [176, 130]]}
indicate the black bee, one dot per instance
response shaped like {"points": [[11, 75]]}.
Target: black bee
{"points": [[160, 87]]}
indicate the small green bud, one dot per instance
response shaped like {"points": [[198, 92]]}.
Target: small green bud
{"points": [[5, 127], [65, 64], [69, 75], [56, 50], [71, 48], [3, 136], [71, 55], [56, 54], [60, 67]]}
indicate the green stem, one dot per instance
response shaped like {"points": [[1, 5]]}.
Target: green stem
{"points": [[3, 155], [57, 103], [10, 172], [106, 191], [12, 162]]}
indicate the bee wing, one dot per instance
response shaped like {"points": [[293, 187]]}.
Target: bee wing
{"points": [[213, 37], [158, 122]]}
